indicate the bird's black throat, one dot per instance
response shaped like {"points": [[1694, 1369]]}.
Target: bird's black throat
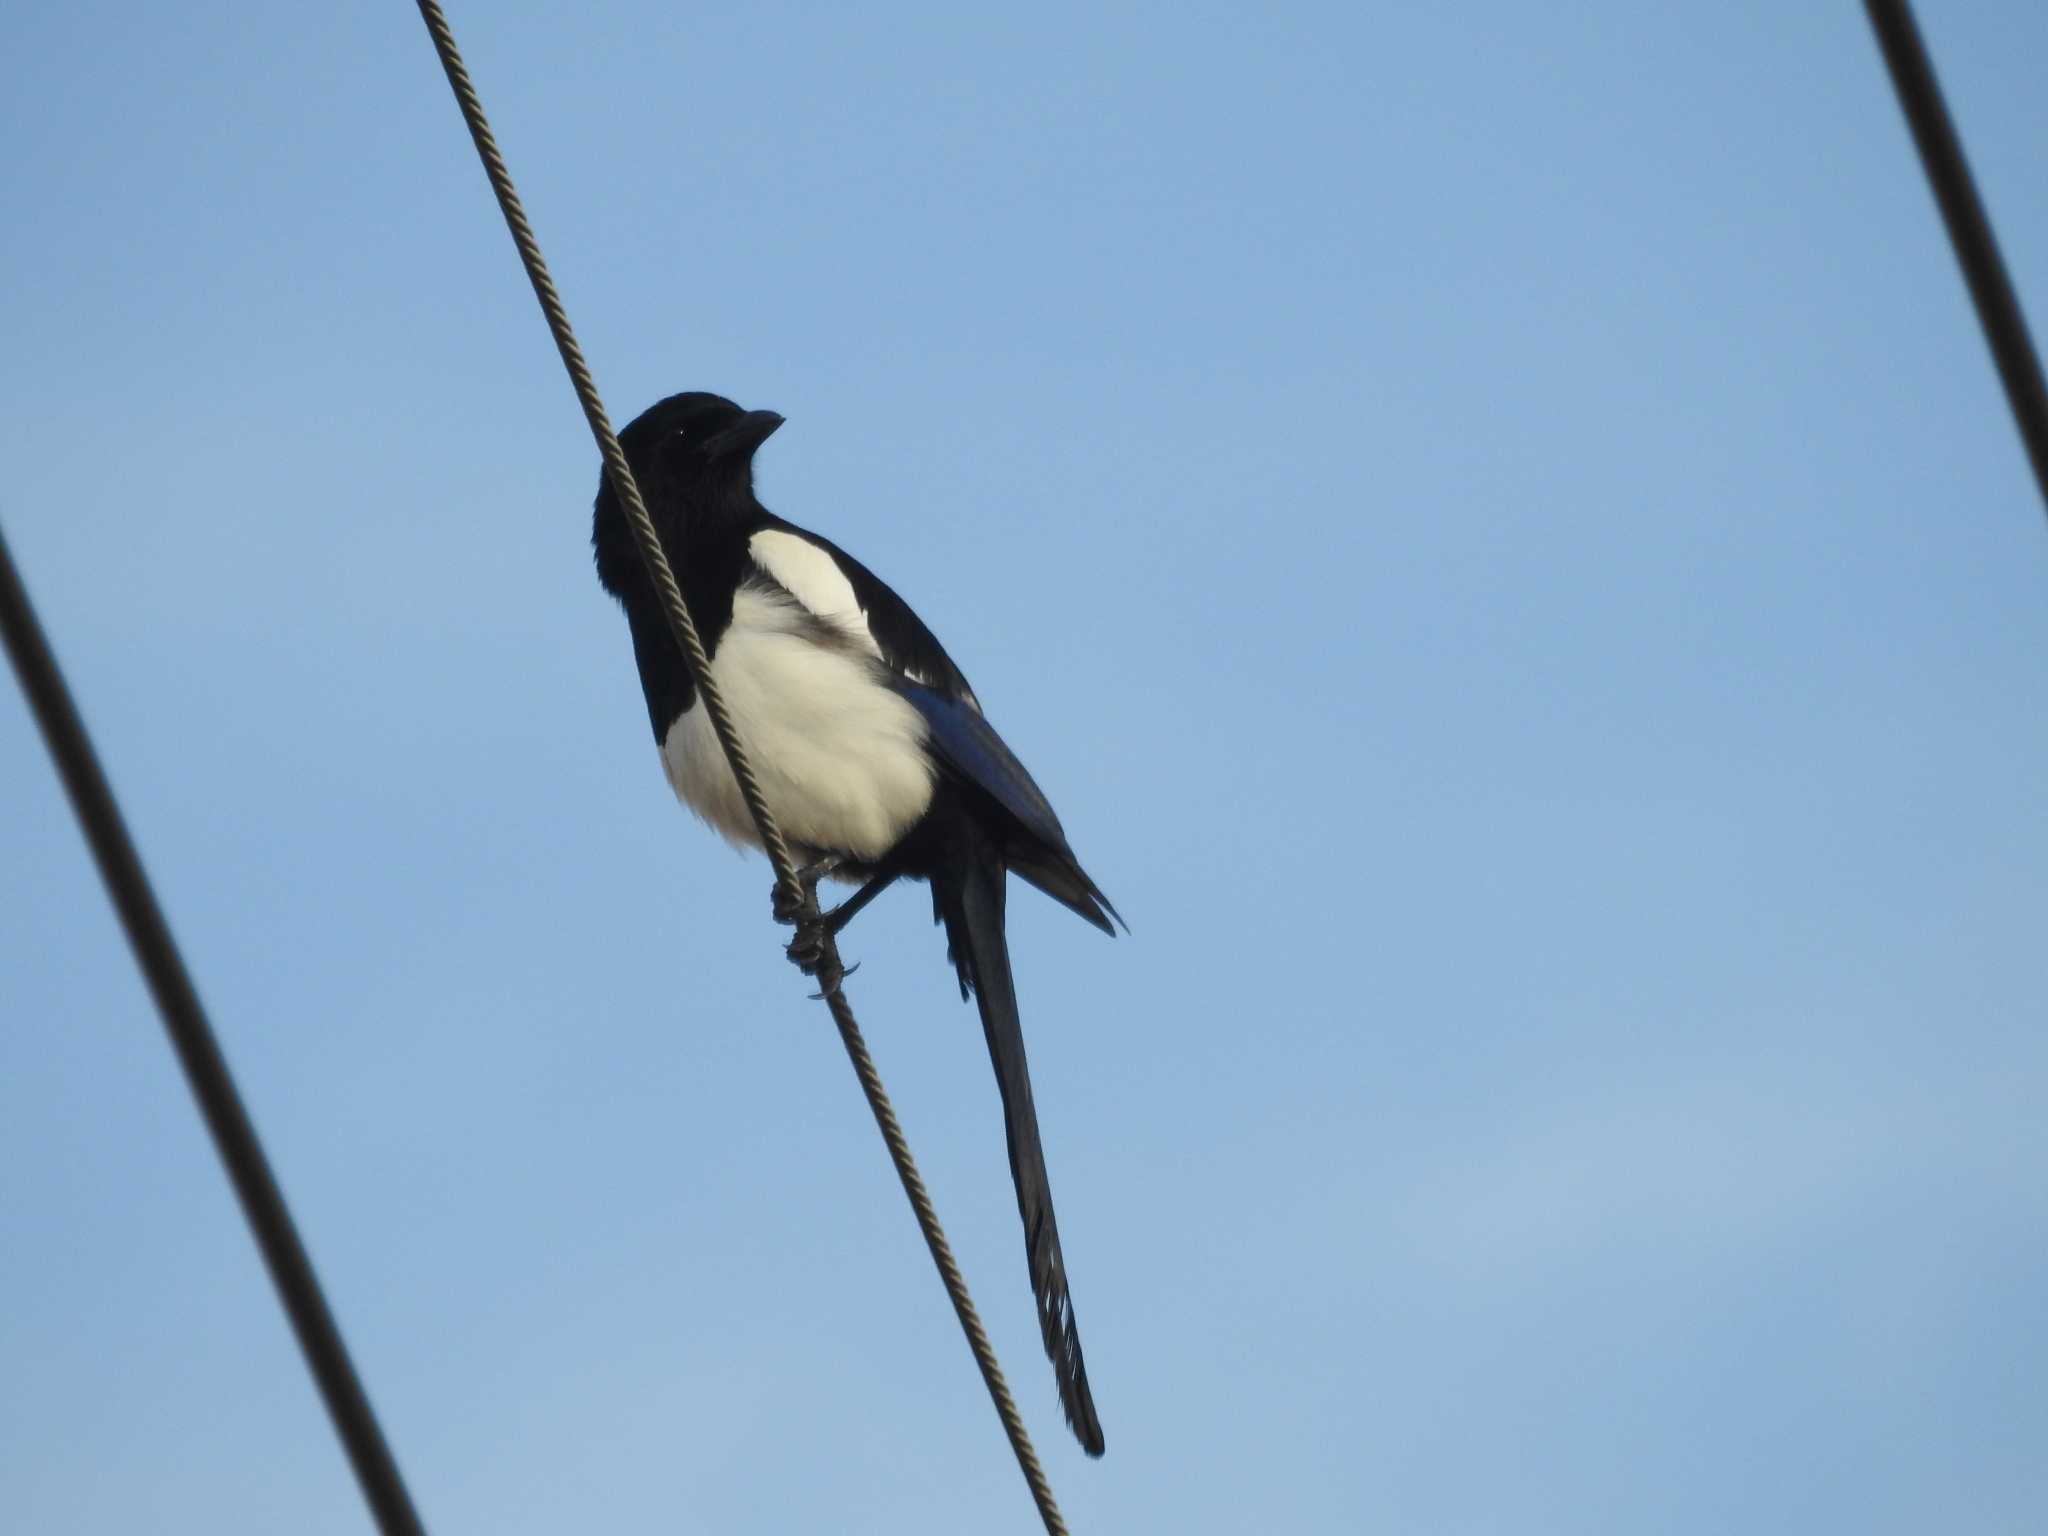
{"points": [[692, 459]]}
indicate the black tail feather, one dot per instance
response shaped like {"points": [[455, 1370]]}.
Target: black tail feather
{"points": [[970, 903]]}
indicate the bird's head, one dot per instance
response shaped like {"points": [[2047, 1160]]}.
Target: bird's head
{"points": [[692, 457]]}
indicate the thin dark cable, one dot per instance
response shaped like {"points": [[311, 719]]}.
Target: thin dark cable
{"points": [[789, 888], [1969, 227], [199, 1053]]}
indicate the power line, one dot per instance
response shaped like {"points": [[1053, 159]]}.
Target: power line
{"points": [[184, 1016], [788, 888], [1969, 227], [199, 1053]]}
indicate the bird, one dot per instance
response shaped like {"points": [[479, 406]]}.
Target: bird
{"points": [[869, 747]]}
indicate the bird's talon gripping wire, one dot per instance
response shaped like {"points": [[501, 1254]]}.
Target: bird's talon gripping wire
{"points": [[820, 996], [788, 909], [793, 910], [811, 950]]}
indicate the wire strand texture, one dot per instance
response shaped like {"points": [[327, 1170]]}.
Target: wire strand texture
{"points": [[788, 886]]}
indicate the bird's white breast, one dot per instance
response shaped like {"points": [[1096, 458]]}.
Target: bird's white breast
{"points": [[839, 754]]}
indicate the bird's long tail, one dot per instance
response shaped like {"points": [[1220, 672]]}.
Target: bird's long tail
{"points": [[971, 904]]}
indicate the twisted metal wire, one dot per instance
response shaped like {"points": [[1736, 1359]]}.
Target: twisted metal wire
{"points": [[942, 1256], [788, 887], [680, 623]]}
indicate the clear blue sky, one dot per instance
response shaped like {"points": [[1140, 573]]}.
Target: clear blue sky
{"points": [[1494, 525]]}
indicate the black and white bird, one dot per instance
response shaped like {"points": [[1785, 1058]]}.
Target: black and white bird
{"points": [[869, 746]]}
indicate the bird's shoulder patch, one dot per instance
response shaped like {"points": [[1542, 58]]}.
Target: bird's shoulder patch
{"points": [[813, 578], [762, 604], [838, 588]]}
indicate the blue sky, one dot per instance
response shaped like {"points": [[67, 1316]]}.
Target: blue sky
{"points": [[1495, 528]]}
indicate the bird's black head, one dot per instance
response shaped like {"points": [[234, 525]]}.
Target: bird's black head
{"points": [[693, 458]]}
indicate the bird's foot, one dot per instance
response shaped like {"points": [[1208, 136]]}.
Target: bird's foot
{"points": [[792, 907], [832, 987], [812, 950], [788, 906]]}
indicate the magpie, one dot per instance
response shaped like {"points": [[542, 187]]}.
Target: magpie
{"points": [[870, 748]]}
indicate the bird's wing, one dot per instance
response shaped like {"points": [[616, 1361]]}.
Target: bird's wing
{"points": [[965, 745], [839, 589]]}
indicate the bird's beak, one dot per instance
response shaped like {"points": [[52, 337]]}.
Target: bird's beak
{"points": [[744, 435]]}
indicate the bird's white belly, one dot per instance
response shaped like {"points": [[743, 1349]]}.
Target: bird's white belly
{"points": [[839, 755]]}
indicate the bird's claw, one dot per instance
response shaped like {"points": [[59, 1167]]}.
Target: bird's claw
{"points": [[789, 909], [825, 992], [807, 950], [822, 994], [794, 907], [811, 950]]}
